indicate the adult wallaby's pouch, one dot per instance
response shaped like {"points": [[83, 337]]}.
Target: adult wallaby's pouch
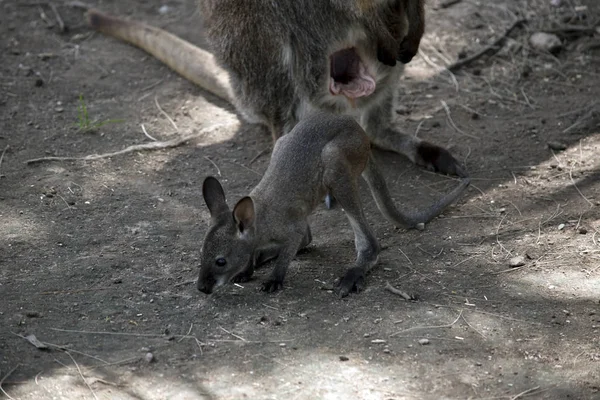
{"points": [[349, 76]]}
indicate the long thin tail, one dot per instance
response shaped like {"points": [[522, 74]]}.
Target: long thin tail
{"points": [[414, 219], [193, 63]]}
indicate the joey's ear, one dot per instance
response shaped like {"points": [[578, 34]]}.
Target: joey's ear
{"points": [[243, 214], [214, 196]]}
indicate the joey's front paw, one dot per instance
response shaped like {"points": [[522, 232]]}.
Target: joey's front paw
{"points": [[271, 286], [353, 281], [436, 158], [241, 278]]}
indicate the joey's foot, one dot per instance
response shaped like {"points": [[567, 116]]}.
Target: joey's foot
{"points": [[353, 281], [438, 159], [271, 286]]}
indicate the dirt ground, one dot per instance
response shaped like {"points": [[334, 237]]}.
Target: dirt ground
{"points": [[98, 258]]}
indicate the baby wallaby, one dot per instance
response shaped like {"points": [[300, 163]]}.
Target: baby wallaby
{"points": [[324, 153]]}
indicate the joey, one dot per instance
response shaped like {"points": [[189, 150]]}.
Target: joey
{"points": [[324, 153]]}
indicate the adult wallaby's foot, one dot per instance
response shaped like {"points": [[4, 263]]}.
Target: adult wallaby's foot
{"points": [[438, 159], [353, 281], [271, 286]]}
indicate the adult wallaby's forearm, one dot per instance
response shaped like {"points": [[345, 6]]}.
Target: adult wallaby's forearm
{"points": [[193, 63], [381, 194]]}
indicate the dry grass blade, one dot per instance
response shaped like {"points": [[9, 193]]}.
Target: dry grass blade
{"points": [[9, 373], [414, 328]]}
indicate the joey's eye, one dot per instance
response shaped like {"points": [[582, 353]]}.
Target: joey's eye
{"points": [[221, 262]]}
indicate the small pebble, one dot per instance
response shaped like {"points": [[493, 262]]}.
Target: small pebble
{"points": [[423, 342], [344, 358], [378, 341], [386, 351], [420, 226], [149, 357], [561, 227], [545, 42], [517, 261], [282, 344], [582, 230]]}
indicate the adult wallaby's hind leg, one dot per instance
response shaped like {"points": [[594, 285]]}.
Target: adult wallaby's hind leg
{"points": [[344, 186], [379, 128]]}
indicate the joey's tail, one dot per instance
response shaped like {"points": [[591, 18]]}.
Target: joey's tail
{"points": [[193, 63], [414, 219]]}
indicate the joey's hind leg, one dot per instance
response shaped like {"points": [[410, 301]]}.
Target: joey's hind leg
{"points": [[377, 124], [345, 188]]}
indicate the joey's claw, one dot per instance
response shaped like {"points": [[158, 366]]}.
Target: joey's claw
{"points": [[353, 281], [438, 159], [271, 286]]}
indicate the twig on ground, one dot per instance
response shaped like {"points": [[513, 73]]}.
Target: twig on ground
{"points": [[214, 164], [491, 48], [419, 127], [59, 20], [471, 326], [429, 327], [4, 378], [405, 256], [451, 121], [187, 334], [575, 185], [432, 64], [232, 334], [2, 157], [527, 99], [167, 116], [583, 119], [256, 157], [63, 348], [399, 292], [147, 134], [523, 393], [81, 374], [246, 168], [133, 148]]}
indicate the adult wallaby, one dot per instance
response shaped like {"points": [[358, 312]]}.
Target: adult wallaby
{"points": [[277, 61], [324, 153]]}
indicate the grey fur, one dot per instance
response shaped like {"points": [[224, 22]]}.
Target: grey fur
{"points": [[324, 153], [276, 55]]}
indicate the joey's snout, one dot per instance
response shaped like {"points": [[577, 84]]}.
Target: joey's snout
{"points": [[206, 284]]}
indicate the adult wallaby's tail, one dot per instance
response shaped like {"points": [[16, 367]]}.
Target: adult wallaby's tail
{"points": [[415, 219], [195, 64]]}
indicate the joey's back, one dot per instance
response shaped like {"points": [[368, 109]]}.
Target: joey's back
{"points": [[300, 158]]}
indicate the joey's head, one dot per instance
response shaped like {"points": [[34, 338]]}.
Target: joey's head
{"points": [[229, 243]]}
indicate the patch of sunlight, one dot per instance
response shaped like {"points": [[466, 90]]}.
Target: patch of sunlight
{"points": [[317, 375], [562, 282], [19, 227]]}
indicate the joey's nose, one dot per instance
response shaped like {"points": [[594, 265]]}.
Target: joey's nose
{"points": [[206, 285]]}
